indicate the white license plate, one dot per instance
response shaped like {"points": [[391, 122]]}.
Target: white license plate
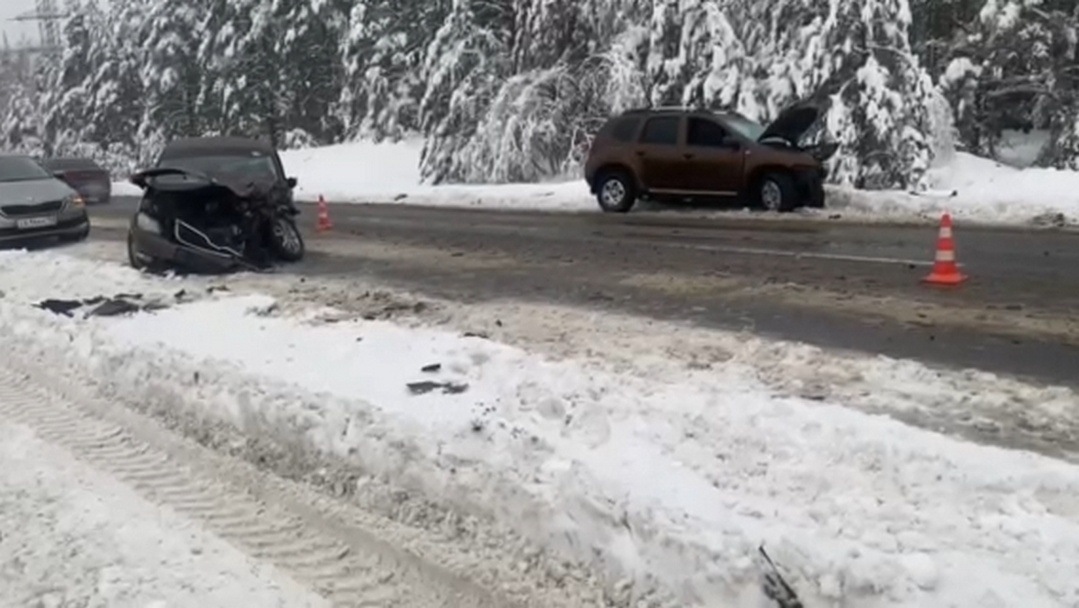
{"points": [[35, 222]]}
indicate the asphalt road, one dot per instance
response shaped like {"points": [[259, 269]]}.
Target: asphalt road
{"points": [[834, 284]]}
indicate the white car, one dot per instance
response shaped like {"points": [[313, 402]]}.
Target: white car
{"points": [[35, 205]]}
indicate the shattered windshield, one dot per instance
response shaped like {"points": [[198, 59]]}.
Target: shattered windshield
{"points": [[21, 169], [254, 168]]}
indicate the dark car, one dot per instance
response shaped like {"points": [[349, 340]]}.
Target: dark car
{"points": [[215, 204], [91, 180], [675, 154], [35, 205]]}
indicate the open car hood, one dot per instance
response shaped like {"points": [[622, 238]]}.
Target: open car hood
{"points": [[792, 123], [194, 180]]}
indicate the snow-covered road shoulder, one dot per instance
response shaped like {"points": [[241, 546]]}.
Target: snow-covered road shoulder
{"points": [[670, 484], [70, 536]]}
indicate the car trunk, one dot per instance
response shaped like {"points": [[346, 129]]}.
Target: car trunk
{"points": [[91, 183]]}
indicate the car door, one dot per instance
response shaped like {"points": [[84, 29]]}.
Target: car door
{"points": [[714, 158], [658, 155]]}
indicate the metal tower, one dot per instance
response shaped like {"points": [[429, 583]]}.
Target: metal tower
{"points": [[48, 18]]}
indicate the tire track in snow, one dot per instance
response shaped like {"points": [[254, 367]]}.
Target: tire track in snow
{"points": [[336, 569]]}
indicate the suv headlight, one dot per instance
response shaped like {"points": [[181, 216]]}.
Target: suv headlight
{"points": [[75, 201]]}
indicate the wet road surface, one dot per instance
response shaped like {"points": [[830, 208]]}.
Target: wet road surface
{"points": [[834, 284]]}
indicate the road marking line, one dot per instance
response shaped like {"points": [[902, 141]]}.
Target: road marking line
{"points": [[808, 254]]}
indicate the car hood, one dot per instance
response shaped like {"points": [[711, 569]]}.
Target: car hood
{"points": [[33, 192], [193, 180], [792, 124]]}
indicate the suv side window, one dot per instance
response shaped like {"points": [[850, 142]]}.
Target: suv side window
{"points": [[661, 130], [625, 128], [706, 134]]}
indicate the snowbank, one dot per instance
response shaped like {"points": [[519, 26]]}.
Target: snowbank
{"points": [[671, 482], [364, 172], [978, 190]]}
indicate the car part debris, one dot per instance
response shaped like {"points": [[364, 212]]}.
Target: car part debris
{"points": [[776, 588]]}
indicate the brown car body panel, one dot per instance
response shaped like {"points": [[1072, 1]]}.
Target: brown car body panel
{"points": [[685, 169]]}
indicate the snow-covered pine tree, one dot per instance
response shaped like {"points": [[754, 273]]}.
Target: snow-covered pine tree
{"points": [[68, 103], [21, 125], [1014, 68], [464, 67], [307, 58], [116, 90], [384, 50], [172, 73]]}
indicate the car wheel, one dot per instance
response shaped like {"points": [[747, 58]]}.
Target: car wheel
{"points": [[776, 192], [137, 260], [286, 240], [616, 192]]}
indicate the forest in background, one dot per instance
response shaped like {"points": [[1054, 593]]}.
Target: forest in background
{"points": [[512, 90]]}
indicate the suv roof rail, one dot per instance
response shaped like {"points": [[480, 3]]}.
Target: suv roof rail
{"points": [[666, 109]]}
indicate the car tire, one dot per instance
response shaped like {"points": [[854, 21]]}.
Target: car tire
{"points": [[133, 256], [776, 191], [286, 241], [616, 191], [817, 195]]}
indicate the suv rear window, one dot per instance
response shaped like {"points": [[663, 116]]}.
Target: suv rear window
{"points": [[662, 130]]}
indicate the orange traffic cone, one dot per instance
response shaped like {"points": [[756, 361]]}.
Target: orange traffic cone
{"points": [[945, 269], [323, 223]]}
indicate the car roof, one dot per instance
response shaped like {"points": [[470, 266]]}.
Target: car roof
{"points": [[679, 110], [196, 145], [11, 156], [70, 160]]}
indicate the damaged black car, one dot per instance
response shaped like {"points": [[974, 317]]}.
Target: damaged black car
{"points": [[217, 204]]}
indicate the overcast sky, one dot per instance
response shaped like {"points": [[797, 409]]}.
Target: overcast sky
{"points": [[16, 29]]}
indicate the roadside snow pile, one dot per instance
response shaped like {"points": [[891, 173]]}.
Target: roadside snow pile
{"points": [[671, 483], [365, 172], [980, 190], [972, 188], [125, 188]]}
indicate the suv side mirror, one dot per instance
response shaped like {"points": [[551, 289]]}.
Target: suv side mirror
{"points": [[292, 181]]}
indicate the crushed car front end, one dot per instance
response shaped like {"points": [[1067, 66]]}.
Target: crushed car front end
{"points": [[191, 222], [148, 245]]}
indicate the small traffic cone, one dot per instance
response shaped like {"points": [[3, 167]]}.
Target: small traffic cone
{"points": [[323, 223], [945, 269]]}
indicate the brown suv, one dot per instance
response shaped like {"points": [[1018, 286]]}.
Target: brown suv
{"points": [[679, 154]]}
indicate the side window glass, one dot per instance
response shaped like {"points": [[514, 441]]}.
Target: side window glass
{"points": [[706, 134], [626, 128], [661, 130]]}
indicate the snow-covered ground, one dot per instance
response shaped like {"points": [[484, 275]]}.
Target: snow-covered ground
{"points": [[972, 189], [71, 536], [669, 479]]}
